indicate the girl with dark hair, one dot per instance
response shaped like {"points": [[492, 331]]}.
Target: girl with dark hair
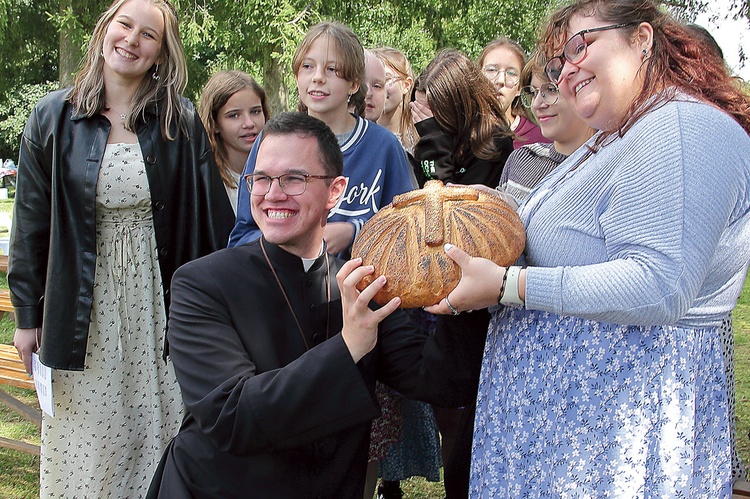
{"points": [[603, 372], [464, 138], [233, 108]]}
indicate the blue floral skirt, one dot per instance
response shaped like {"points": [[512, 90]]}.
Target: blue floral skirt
{"points": [[569, 407]]}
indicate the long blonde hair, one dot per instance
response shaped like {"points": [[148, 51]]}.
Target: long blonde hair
{"points": [[163, 86], [397, 61], [217, 91]]}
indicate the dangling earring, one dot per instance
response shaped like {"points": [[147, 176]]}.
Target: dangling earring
{"points": [[155, 76], [645, 55], [349, 99]]}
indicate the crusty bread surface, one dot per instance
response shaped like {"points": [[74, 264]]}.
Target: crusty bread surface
{"points": [[404, 240]]}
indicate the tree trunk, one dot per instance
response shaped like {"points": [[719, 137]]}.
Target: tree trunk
{"points": [[67, 54], [273, 82]]}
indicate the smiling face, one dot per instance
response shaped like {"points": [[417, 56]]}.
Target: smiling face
{"points": [[375, 79], [133, 40], [559, 121], [602, 86], [295, 223], [320, 87], [238, 123], [504, 59]]}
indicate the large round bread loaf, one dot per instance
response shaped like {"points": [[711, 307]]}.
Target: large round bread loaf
{"points": [[404, 240]]}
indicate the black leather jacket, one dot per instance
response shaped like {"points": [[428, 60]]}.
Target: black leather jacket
{"points": [[53, 242]]}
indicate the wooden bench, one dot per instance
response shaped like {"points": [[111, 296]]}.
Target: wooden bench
{"points": [[5, 305], [12, 373]]}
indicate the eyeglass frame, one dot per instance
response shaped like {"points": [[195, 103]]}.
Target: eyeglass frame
{"points": [[307, 176], [563, 57], [389, 82], [536, 91], [505, 74]]}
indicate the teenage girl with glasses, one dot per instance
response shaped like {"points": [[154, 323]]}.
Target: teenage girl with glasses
{"points": [[558, 122], [502, 61]]}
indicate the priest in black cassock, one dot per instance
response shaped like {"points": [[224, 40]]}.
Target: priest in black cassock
{"points": [[277, 353]]}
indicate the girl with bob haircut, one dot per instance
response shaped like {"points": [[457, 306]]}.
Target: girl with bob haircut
{"points": [[116, 189], [603, 373], [329, 66], [233, 108]]}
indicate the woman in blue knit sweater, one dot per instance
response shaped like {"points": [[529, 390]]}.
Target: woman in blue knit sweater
{"points": [[603, 373]]}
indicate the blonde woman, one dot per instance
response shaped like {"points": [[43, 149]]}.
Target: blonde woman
{"points": [[116, 189]]}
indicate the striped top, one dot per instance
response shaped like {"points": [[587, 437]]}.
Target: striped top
{"points": [[527, 166]]}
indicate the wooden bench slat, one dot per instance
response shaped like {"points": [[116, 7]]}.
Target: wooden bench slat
{"points": [[12, 371], [5, 303], [32, 414], [18, 445]]}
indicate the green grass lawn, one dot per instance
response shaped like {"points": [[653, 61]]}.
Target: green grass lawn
{"points": [[19, 472]]}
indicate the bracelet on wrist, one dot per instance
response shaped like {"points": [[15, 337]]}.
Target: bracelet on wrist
{"points": [[502, 286], [510, 295]]}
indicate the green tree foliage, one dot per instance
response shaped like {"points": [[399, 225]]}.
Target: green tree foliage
{"points": [[42, 40]]}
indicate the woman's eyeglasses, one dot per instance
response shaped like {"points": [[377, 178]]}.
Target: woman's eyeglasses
{"points": [[549, 92], [574, 50], [510, 76], [292, 184], [391, 80]]}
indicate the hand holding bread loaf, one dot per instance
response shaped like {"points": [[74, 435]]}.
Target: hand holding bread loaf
{"points": [[404, 240]]}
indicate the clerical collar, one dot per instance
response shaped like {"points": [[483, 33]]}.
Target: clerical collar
{"points": [[308, 262]]}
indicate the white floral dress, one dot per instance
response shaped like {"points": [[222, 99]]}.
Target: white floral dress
{"points": [[113, 420]]}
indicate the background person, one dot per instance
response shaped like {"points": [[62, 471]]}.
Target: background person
{"points": [[233, 108], [399, 81], [463, 139], [502, 61], [116, 189], [632, 263], [329, 66], [375, 81], [558, 121]]}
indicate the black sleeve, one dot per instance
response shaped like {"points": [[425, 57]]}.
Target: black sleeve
{"points": [[241, 410], [433, 153]]}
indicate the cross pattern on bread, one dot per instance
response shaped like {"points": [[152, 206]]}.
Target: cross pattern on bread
{"points": [[433, 195]]}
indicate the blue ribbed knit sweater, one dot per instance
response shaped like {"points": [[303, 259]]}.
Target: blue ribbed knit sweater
{"points": [[654, 228]]}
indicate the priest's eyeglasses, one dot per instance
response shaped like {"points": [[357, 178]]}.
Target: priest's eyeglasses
{"points": [[292, 184], [549, 92], [574, 50]]}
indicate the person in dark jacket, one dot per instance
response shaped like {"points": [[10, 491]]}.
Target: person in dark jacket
{"points": [[116, 189], [463, 135], [463, 139], [277, 352]]}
